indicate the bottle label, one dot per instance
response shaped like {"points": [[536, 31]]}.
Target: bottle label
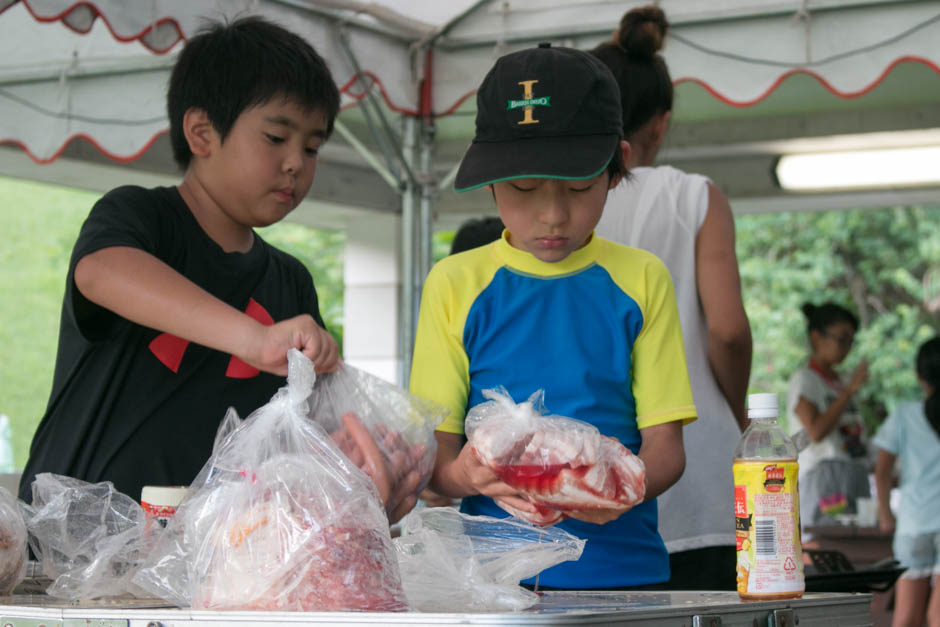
{"points": [[767, 527]]}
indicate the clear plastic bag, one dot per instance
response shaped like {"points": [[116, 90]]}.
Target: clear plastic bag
{"points": [[453, 562], [88, 537], [401, 424], [559, 464], [278, 519], [12, 543]]}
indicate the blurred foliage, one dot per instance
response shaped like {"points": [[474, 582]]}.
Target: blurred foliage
{"points": [[322, 253], [872, 262], [40, 224], [440, 244]]}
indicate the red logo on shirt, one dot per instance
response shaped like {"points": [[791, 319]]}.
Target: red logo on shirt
{"points": [[170, 349]]}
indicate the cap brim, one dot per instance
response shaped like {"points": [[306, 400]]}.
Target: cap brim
{"points": [[569, 158]]}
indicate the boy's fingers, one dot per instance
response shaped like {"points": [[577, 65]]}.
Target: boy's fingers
{"points": [[518, 503], [509, 494], [348, 446], [373, 464], [403, 508], [408, 487]]}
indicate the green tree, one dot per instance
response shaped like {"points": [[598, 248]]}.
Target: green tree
{"points": [[322, 253], [874, 262]]}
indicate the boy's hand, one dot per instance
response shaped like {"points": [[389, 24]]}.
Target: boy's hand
{"points": [[859, 376], [396, 479], [481, 479], [300, 332], [459, 473]]}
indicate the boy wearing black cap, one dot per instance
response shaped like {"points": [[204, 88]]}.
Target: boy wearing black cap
{"points": [[552, 306]]}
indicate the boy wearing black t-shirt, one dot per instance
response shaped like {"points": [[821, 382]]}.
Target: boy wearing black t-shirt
{"points": [[174, 308]]}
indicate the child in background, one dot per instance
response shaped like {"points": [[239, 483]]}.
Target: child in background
{"points": [[552, 306], [834, 467], [476, 232], [175, 309], [912, 434]]}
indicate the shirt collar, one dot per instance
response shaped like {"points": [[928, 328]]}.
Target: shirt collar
{"points": [[527, 262]]}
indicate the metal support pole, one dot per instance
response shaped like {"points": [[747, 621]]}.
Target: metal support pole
{"points": [[408, 309]]}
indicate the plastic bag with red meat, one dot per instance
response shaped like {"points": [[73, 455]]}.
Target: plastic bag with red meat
{"points": [[559, 464], [401, 424], [279, 519], [12, 543]]}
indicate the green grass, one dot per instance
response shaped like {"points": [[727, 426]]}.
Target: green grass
{"points": [[40, 224]]}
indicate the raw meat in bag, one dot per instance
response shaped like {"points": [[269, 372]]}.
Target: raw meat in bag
{"points": [[278, 519], [559, 464]]}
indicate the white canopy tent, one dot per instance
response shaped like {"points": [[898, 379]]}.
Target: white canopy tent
{"points": [[82, 102]]}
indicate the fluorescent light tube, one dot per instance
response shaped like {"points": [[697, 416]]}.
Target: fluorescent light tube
{"points": [[860, 169]]}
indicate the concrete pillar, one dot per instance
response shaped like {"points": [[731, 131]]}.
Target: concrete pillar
{"points": [[371, 301]]}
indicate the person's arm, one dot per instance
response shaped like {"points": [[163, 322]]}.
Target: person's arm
{"points": [[141, 288], [819, 424], [884, 469], [459, 473], [729, 344], [663, 456]]}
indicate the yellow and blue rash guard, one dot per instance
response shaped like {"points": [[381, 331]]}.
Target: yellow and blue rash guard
{"points": [[599, 332]]}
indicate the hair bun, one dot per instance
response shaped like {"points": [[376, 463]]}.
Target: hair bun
{"points": [[642, 31], [808, 309]]}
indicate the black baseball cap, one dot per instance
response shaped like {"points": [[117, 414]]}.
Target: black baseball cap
{"points": [[543, 112]]}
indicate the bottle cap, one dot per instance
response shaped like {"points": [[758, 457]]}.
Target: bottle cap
{"points": [[762, 405], [166, 496]]}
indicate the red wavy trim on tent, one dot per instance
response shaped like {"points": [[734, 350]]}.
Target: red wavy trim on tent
{"points": [[822, 81], [99, 14], [349, 86], [90, 140], [348, 90]]}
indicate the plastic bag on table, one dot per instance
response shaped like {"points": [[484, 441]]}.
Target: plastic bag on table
{"points": [[401, 424], [453, 562], [12, 543], [88, 537], [278, 519], [559, 464]]}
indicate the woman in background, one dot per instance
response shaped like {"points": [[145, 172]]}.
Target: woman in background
{"points": [[912, 434], [686, 221]]}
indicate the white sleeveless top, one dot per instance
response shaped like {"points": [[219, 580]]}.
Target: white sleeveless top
{"points": [[661, 210]]}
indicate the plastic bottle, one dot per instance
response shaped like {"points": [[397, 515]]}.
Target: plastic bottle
{"points": [[767, 507]]}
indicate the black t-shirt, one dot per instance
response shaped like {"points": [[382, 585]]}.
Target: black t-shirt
{"points": [[135, 406]]}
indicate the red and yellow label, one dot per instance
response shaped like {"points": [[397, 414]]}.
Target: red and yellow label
{"points": [[767, 528]]}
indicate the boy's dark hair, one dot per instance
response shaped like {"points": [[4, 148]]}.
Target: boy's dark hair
{"points": [[928, 369], [476, 232], [633, 57], [821, 317], [230, 67], [617, 166]]}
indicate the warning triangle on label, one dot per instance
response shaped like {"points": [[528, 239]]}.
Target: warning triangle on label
{"points": [[789, 565]]}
